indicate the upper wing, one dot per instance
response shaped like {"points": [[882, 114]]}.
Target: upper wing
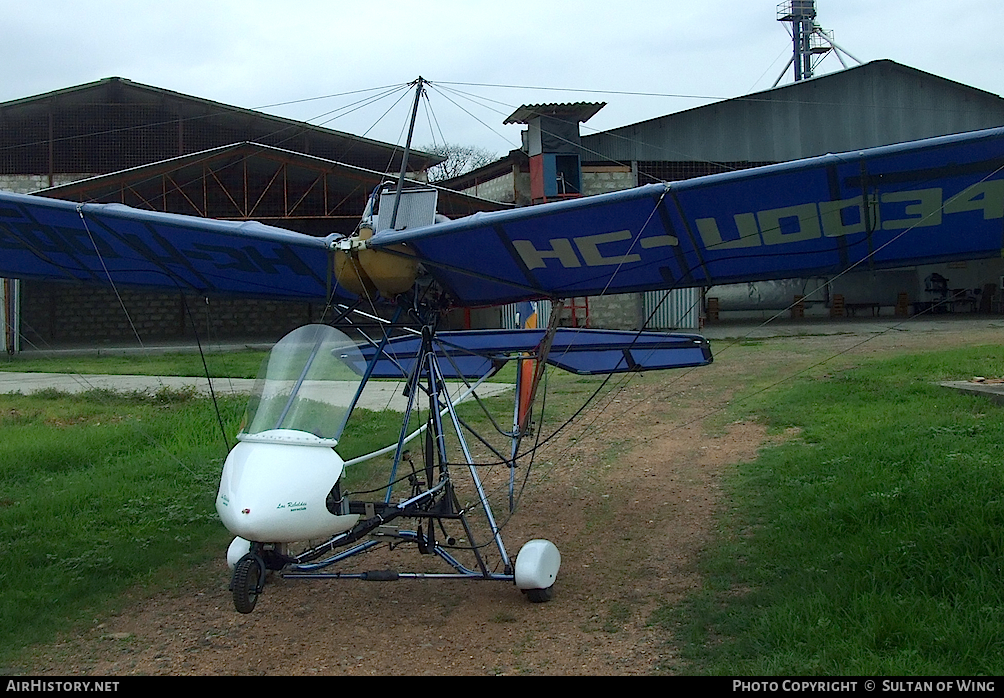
{"points": [[49, 239], [934, 200], [927, 201]]}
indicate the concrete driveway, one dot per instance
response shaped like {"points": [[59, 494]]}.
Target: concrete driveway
{"points": [[378, 395]]}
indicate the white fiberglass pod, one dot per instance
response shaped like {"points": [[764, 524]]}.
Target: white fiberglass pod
{"points": [[537, 567], [276, 480]]}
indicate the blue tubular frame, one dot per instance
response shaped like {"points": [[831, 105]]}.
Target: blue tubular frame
{"points": [[426, 366], [302, 571], [582, 351]]}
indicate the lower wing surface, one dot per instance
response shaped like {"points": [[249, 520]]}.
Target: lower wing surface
{"points": [[475, 353]]}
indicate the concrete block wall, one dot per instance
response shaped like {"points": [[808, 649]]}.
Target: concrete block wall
{"points": [[606, 178], [499, 189], [617, 311], [62, 314], [511, 188], [27, 184]]}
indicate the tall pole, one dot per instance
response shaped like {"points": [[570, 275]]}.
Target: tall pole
{"points": [[407, 151], [801, 34], [802, 15]]}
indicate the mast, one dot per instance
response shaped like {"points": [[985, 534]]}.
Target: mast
{"points": [[419, 88]]}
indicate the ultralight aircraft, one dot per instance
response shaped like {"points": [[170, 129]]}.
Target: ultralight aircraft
{"points": [[284, 483]]}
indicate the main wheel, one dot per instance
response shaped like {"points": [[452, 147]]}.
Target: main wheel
{"points": [[247, 574], [540, 595]]}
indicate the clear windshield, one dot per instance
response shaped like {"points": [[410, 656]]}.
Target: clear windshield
{"points": [[306, 383]]}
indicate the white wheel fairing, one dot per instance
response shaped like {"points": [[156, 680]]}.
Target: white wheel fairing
{"points": [[537, 565], [238, 549], [275, 492]]}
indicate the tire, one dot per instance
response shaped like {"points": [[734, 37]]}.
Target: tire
{"points": [[540, 595], [247, 574]]}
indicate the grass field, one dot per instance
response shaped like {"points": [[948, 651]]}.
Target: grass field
{"points": [[870, 540], [239, 364], [100, 492]]}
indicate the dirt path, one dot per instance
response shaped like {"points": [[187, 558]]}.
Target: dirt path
{"points": [[630, 530]]}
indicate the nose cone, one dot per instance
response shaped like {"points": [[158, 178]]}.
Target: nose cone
{"points": [[275, 492]]}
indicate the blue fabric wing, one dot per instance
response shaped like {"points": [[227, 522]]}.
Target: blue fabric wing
{"points": [[935, 200], [474, 353], [928, 201], [50, 239]]}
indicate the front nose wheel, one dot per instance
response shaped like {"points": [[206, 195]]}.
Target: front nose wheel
{"points": [[247, 582]]}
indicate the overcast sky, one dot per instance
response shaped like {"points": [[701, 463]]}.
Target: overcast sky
{"points": [[257, 54]]}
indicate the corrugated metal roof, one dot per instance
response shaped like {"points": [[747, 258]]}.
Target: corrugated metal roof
{"points": [[878, 103], [117, 90], [580, 111]]}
